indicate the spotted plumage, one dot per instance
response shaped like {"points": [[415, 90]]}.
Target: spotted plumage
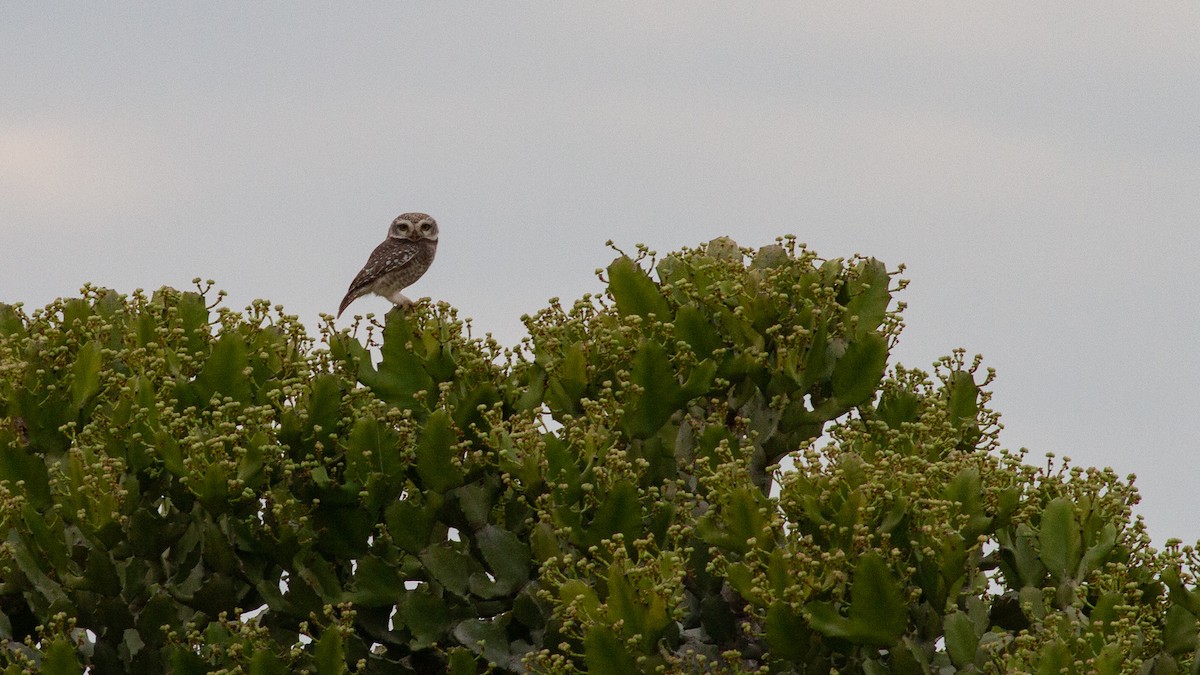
{"points": [[398, 262]]}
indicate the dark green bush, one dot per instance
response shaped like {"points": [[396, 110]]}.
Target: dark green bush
{"points": [[639, 487]]}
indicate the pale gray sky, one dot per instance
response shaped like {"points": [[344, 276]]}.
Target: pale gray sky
{"points": [[1036, 166]]}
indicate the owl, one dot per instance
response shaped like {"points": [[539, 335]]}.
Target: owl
{"points": [[398, 262]]}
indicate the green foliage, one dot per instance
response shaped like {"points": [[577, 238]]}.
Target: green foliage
{"points": [[640, 486]]}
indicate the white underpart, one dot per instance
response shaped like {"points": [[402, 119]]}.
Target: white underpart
{"points": [[399, 299]]}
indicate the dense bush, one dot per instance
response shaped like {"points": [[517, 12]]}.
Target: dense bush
{"points": [[708, 469]]}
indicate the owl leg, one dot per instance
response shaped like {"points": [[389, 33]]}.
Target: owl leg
{"points": [[400, 300]]}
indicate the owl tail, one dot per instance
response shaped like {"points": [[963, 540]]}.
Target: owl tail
{"points": [[350, 297]]}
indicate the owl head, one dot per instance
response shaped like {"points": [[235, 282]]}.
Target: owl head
{"points": [[414, 226]]}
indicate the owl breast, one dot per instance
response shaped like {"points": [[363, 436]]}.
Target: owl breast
{"points": [[405, 275]]}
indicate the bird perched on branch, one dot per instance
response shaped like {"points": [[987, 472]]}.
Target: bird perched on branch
{"points": [[398, 262]]}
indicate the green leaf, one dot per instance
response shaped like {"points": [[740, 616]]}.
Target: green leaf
{"points": [[621, 603], [376, 583], [771, 255], [1059, 538], [434, 454], [46, 531], [878, 612], [20, 464], [10, 321], [324, 405], [506, 555], [1097, 554], [264, 662], [633, 290], [329, 654], [461, 662], [897, 407], [222, 373], [60, 659], [660, 397], [486, 638], [620, 512], [426, 615], [605, 654], [1180, 635], [582, 596], [786, 632], [964, 398], [371, 447], [1054, 659], [402, 372], [869, 295], [449, 566], [961, 640], [85, 381], [723, 248], [858, 372], [744, 519], [694, 327], [410, 525]]}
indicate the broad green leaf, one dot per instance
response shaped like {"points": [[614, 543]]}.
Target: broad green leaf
{"points": [[961, 640], [10, 321], [877, 601], [605, 654], [59, 658], [435, 452], [1059, 538], [1097, 554], [858, 372], [661, 393], [699, 380], [372, 446], [1054, 659], [426, 615], [621, 603], [410, 525], [771, 255], [329, 654], [580, 595], [878, 612], [507, 556], [265, 662], [964, 398], [619, 512], [744, 519], [897, 407], [695, 327], [786, 632], [324, 405], [85, 381], [402, 371], [21, 464], [633, 290], [376, 583], [222, 373], [452, 568], [869, 295], [486, 638], [1180, 634], [461, 662], [724, 248]]}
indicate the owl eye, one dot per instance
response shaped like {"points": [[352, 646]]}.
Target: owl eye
{"points": [[426, 226]]}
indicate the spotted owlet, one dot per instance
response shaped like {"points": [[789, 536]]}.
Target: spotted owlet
{"points": [[398, 262]]}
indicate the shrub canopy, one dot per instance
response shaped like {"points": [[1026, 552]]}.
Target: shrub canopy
{"points": [[710, 468]]}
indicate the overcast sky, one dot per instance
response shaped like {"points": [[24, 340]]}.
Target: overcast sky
{"points": [[1035, 165]]}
